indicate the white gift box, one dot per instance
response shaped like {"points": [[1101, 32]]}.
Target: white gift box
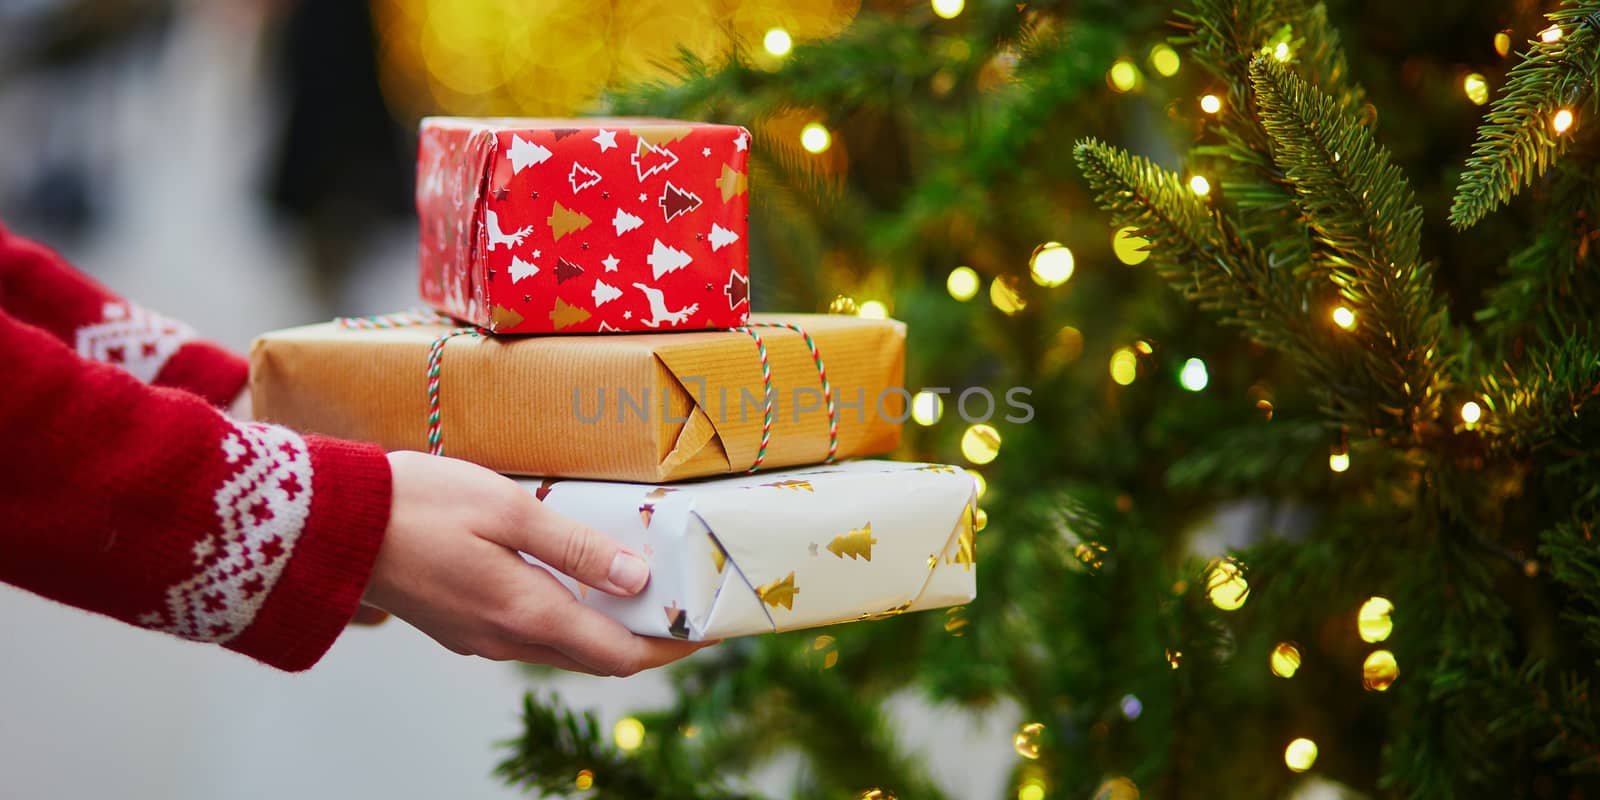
{"points": [[781, 550]]}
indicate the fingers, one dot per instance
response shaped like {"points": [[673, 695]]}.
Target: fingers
{"points": [[570, 547], [610, 649], [538, 654]]}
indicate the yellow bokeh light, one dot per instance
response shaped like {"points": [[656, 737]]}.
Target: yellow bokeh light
{"points": [[1281, 52], [1561, 121], [1124, 366], [963, 283], [980, 519], [1129, 246], [1476, 87], [1374, 621], [1175, 657], [1550, 35], [1199, 185], [872, 309], [1031, 789], [926, 408], [1193, 376], [1051, 264], [1117, 789], [1210, 104], [1026, 742], [982, 485], [1003, 293], [948, 9], [778, 42], [1123, 75], [1338, 462], [1164, 60], [1300, 755], [1285, 659], [815, 138], [1143, 347], [1502, 44], [1226, 585], [1344, 318], [585, 780], [981, 443], [628, 733], [843, 304], [1379, 671], [1471, 412], [877, 794]]}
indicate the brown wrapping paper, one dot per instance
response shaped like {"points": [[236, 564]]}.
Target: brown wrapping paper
{"points": [[627, 408]]}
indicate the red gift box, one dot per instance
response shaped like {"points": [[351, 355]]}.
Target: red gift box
{"points": [[582, 226]]}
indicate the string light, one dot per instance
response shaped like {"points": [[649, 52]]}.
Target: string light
{"points": [[843, 304], [1120, 788], [872, 309], [1373, 621], [1026, 742], [980, 519], [981, 443], [1561, 121], [1131, 249], [1300, 755], [963, 283], [1338, 462], [948, 9], [1051, 264], [1226, 585], [1124, 366], [926, 408], [1199, 185], [1344, 318], [1175, 657], [876, 794], [1476, 87], [1193, 375], [977, 478], [1285, 659], [1031, 789], [628, 733], [1004, 295], [778, 42], [1123, 75], [815, 138], [1281, 52], [1502, 44], [1379, 671], [1471, 412], [1550, 35], [1210, 104], [1131, 706], [585, 780], [1164, 60]]}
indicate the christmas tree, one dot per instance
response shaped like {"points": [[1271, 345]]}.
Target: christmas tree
{"points": [[1323, 513]]}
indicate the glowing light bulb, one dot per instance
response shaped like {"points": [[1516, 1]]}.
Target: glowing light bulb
{"points": [[843, 304], [1129, 246], [1164, 60], [1379, 671], [1281, 52], [1124, 366], [1199, 185], [1300, 755], [1193, 375], [1004, 295], [628, 733], [1123, 75], [948, 9], [778, 42], [962, 283], [1031, 789], [981, 443], [1285, 660], [1550, 35], [926, 408], [1373, 621], [1502, 44], [1226, 585], [1210, 104], [1338, 462], [1561, 121], [1471, 412], [1026, 742], [1344, 318], [1051, 264], [585, 780], [1476, 87], [815, 138], [872, 309]]}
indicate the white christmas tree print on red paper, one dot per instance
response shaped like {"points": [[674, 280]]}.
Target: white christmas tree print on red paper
{"points": [[659, 315], [604, 293], [649, 159], [522, 269], [665, 258], [524, 154], [498, 238], [675, 201], [581, 177], [721, 237], [625, 222]]}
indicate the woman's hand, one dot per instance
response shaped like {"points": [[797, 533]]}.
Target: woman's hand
{"points": [[449, 565]]}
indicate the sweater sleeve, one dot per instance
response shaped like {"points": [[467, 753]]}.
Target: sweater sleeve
{"points": [[148, 505], [38, 287]]}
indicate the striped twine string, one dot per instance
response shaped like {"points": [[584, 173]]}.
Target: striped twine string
{"points": [[766, 381], [435, 363], [827, 388], [403, 319]]}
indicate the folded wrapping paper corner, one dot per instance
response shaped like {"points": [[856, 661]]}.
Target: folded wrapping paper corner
{"points": [[647, 407], [784, 550]]}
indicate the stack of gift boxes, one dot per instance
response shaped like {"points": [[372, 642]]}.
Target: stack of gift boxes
{"points": [[591, 329]]}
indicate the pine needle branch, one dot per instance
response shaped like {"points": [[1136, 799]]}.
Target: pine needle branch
{"points": [[1517, 141]]}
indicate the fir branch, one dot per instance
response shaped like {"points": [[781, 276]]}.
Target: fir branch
{"points": [[1517, 142]]}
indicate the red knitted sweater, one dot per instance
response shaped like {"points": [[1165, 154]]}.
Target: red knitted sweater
{"points": [[125, 491]]}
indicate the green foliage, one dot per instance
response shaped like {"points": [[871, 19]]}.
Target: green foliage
{"points": [[1517, 141]]}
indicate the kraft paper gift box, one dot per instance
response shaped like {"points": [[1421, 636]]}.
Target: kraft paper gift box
{"points": [[648, 407], [783, 550], [584, 225]]}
